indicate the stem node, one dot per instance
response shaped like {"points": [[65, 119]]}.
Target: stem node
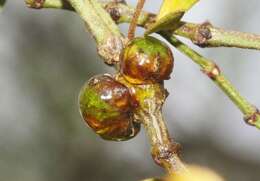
{"points": [[202, 34], [213, 71], [111, 49], [162, 153], [252, 119]]}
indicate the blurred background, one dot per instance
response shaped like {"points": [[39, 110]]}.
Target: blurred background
{"points": [[46, 56]]}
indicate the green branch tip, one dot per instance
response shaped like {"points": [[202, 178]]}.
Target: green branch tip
{"points": [[251, 114]]}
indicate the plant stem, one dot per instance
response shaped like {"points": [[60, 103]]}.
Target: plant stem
{"points": [[164, 151], [204, 35], [251, 113], [99, 23], [102, 27], [150, 99], [106, 33], [133, 23]]}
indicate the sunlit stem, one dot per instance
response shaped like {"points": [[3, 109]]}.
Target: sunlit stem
{"points": [[133, 24]]}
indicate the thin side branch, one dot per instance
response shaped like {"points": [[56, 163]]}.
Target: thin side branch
{"points": [[204, 35], [133, 23], [251, 113]]}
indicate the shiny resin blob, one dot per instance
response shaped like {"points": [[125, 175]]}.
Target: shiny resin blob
{"points": [[146, 60], [105, 105]]}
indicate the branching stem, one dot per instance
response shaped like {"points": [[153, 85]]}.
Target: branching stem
{"points": [[110, 43], [204, 35], [107, 36], [251, 113]]}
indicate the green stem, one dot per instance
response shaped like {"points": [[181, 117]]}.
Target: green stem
{"points": [[251, 114], [124, 14], [102, 27], [98, 21], [204, 35]]}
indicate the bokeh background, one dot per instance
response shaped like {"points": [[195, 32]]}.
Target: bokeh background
{"points": [[45, 58]]}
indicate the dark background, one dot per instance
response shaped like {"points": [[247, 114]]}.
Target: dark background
{"points": [[45, 58]]}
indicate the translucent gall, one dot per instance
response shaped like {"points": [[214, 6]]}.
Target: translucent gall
{"points": [[106, 106], [146, 60]]}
